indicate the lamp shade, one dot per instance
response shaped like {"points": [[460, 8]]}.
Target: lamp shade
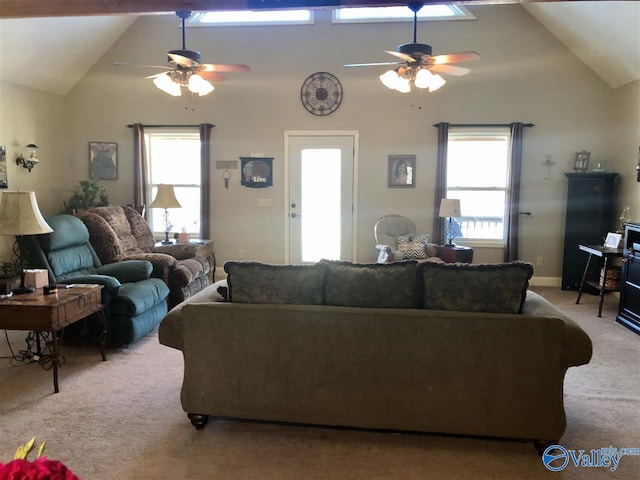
{"points": [[165, 198], [450, 207], [20, 215]]}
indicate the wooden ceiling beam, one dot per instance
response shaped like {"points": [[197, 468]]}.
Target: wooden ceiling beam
{"points": [[70, 8]]}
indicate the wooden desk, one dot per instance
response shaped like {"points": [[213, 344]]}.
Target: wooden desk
{"points": [[604, 253], [51, 313]]}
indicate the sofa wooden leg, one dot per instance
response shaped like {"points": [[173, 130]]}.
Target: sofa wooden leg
{"points": [[198, 420], [542, 445]]}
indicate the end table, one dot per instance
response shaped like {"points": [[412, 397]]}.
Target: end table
{"points": [[455, 253], [51, 313]]}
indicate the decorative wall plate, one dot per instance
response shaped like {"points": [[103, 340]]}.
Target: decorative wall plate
{"points": [[321, 93]]}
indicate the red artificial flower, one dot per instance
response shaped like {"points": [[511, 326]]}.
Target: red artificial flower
{"points": [[40, 469]]}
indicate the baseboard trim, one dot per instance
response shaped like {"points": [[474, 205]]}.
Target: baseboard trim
{"points": [[545, 281]]}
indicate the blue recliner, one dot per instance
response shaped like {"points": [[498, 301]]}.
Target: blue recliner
{"points": [[135, 303]]}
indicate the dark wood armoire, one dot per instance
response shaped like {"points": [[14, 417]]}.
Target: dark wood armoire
{"points": [[591, 214]]}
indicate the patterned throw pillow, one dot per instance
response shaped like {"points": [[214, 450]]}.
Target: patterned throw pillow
{"points": [[412, 247], [371, 285], [495, 287], [255, 282]]}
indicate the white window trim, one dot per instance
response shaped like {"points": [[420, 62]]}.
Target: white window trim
{"points": [[480, 132], [163, 133]]}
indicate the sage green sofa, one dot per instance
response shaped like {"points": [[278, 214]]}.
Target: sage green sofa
{"points": [[442, 348]]}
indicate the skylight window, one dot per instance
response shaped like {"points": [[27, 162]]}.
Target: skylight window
{"points": [[400, 14], [249, 17]]}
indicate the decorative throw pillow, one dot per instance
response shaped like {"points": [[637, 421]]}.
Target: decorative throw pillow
{"points": [[496, 288], [255, 282], [371, 285], [412, 247]]}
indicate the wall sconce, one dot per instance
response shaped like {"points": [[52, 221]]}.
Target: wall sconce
{"points": [[32, 160]]}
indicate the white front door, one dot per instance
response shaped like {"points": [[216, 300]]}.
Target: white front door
{"points": [[320, 217]]}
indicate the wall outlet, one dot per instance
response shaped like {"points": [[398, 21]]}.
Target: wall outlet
{"points": [[540, 262], [241, 253]]}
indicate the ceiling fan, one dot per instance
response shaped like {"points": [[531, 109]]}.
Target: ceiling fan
{"points": [[185, 69], [418, 66]]}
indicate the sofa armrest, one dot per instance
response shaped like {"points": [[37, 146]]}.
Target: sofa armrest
{"points": [[161, 263], [127, 271], [576, 344]]}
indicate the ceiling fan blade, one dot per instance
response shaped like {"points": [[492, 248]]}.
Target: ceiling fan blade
{"points": [[157, 75], [450, 70], [370, 64], [127, 64], [182, 61], [403, 56], [223, 67], [212, 76], [455, 57]]}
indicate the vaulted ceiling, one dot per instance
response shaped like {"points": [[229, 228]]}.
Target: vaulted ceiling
{"points": [[65, 38]]}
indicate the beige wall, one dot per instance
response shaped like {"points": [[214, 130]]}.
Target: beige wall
{"points": [[525, 75], [625, 142], [35, 116]]}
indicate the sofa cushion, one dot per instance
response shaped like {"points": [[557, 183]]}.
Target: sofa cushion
{"points": [[117, 219], [71, 260], [496, 288], [103, 238], [139, 229], [412, 246], [255, 282], [69, 232], [373, 285]]}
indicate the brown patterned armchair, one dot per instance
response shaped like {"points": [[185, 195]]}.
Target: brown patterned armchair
{"points": [[121, 233]]}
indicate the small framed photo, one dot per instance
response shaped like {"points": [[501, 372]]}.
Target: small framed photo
{"points": [[581, 163], [612, 240], [103, 160], [401, 171]]}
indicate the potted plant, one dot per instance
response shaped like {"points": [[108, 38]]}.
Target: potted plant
{"points": [[87, 194]]}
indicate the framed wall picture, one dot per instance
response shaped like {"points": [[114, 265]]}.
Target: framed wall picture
{"points": [[3, 167], [401, 171], [103, 160], [257, 172], [581, 163]]}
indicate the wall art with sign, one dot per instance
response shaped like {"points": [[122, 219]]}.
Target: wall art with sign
{"points": [[257, 172]]}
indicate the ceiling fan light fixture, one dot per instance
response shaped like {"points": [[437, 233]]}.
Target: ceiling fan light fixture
{"points": [[403, 84], [167, 85], [199, 85], [389, 79], [436, 83], [424, 78]]}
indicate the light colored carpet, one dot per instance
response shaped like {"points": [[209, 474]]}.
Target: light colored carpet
{"points": [[122, 419]]}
